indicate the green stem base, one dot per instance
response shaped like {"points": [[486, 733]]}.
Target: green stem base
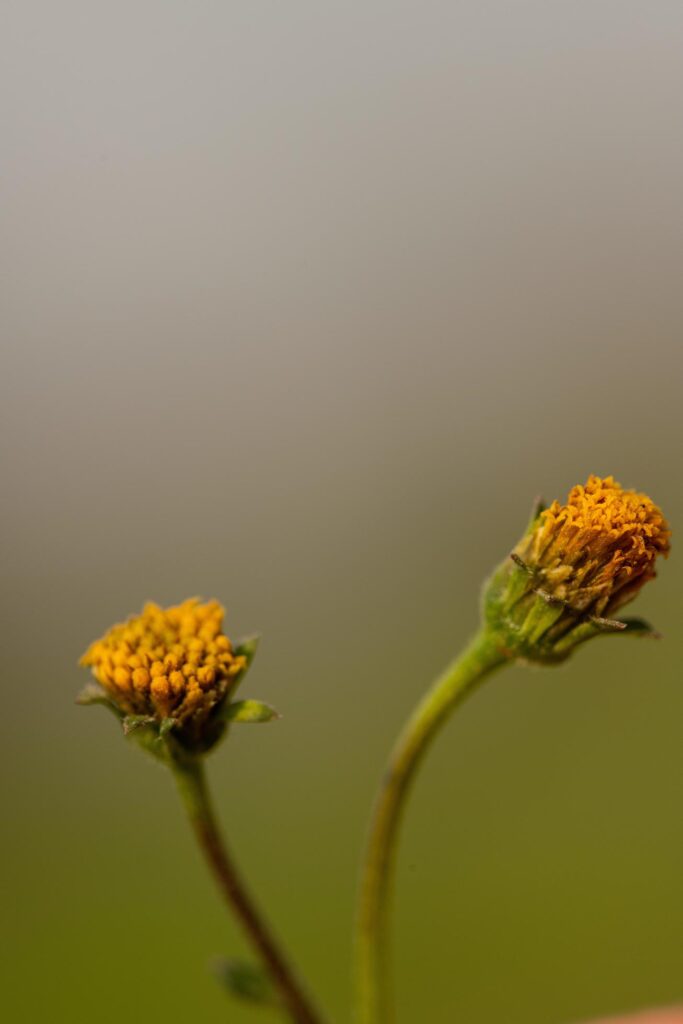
{"points": [[481, 657]]}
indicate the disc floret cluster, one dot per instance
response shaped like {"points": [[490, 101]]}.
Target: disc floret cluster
{"points": [[173, 666], [575, 567], [599, 549]]}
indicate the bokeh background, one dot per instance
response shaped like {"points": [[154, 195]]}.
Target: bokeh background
{"points": [[303, 304]]}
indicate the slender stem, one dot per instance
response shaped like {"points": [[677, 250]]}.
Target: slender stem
{"points": [[373, 1004], [191, 780]]}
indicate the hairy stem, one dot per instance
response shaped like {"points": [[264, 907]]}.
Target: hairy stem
{"points": [[191, 780], [373, 1003]]}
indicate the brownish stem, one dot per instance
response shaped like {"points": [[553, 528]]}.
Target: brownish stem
{"points": [[191, 781]]}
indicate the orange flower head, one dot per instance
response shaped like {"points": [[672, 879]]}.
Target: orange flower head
{"points": [[576, 566], [599, 549]]}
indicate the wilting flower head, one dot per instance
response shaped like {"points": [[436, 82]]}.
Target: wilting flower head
{"points": [[575, 567], [170, 668]]}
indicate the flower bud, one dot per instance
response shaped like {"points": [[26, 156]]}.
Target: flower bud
{"points": [[169, 670], [575, 567]]}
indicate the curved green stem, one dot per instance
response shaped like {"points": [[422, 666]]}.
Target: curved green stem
{"points": [[481, 657], [191, 780]]}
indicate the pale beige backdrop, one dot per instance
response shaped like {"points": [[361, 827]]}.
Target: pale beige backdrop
{"points": [[302, 304]]}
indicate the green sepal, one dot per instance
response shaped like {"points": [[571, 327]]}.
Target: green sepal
{"points": [[640, 627], [605, 627], [94, 694], [246, 648], [145, 731], [582, 632], [133, 722], [249, 711], [537, 508], [166, 725], [245, 981]]}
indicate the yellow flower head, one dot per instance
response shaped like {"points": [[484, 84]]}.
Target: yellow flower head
{"points": [[575, 567], [168, 663]]}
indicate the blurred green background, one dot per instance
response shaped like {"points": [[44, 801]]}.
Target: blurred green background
{"points": [[303, 304]]}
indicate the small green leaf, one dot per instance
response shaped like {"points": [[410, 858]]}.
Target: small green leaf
{"points": [[640, 627], [249, 711], [246, 981], [94, 694]]}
